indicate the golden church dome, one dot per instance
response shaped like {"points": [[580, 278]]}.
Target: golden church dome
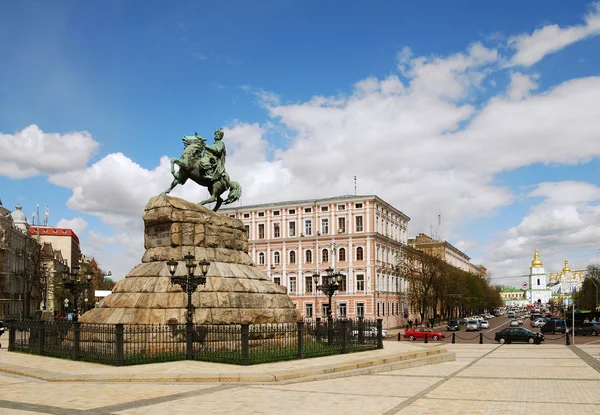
{"points": [[566, 268], [551, 276], [536, 263]]}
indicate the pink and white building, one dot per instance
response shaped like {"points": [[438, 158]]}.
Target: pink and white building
{"points": [[358, 236]]}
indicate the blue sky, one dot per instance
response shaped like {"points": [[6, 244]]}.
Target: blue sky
{"points": [[483, 112]]}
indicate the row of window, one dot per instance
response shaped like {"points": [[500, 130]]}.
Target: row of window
{"points": [[393, 308], [308, 227], [306, 210], [308, 256], [309, 283], [360, 310]]}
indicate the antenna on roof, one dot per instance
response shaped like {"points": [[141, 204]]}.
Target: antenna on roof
{"points": [[37, 210], [354, 185], [47, 213]]}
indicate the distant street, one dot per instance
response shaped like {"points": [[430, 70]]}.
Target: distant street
{"points": [[497, 324]]}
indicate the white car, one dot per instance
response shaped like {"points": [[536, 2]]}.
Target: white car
{"points": [[473, 325], [484, 324], [539, 322], [371, 332], [514, 323]]}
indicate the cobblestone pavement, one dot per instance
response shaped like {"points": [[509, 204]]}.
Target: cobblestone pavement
{"points": [[484, 379]]}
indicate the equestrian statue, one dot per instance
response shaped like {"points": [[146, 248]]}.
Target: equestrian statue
{"points": [[205, 165]]}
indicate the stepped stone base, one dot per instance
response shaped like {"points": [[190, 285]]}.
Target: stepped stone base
{"points": [[235, 292]]}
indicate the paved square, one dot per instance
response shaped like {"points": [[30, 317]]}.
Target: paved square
{"points": [[484, 379]]}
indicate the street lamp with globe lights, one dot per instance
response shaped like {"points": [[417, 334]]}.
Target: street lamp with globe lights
{"points": [[75, 286], [331, 284], [189, 283]]}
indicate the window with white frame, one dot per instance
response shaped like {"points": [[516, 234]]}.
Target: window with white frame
{"points": [[359, 223], [292, 284], [308, 283], [324, 255], [292, 229], [360, 282], [261, 231], [324, 226], [360, 309], [292, 257], [324, 309], [359, 253], [276, 230], [308, 256], [343, 310], [261, 258], [276, 258], [307, 227], [309, 310], [341, 225], [342, 254]]}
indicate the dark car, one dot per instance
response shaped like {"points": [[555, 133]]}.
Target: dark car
{"points": [[518, 334], [453, 325], [554, 326], [584, 329]]}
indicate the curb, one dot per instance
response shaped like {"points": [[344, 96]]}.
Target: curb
{"points": [[363, 366]]}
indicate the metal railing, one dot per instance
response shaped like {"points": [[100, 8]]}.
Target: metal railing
{"points": [[243, 344]]}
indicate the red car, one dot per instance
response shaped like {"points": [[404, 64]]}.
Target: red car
{"points": [[419, 333]]}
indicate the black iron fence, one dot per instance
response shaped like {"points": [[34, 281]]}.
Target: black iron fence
{"points": [[242, 344]]}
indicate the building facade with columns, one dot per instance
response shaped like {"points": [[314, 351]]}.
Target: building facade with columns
{"points": [[357, 236], [447, 252]]}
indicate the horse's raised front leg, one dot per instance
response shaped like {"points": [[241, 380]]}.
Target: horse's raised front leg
{"points": [[174, 183], [219, 203]]}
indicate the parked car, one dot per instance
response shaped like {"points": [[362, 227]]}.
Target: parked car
{"points": [[583, 329], [554, 326], [518, 334], [539, 322], [453, 325], [419, 333], [2, 328], [370, 332], [463, 321], [473, 325], [484, 324]]}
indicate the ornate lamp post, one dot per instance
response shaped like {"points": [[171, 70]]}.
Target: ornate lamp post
{"points": [[329, 287], [189, 283], [75, 286]]}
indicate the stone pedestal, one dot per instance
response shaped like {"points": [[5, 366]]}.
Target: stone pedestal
{"points": [[235, 292]]}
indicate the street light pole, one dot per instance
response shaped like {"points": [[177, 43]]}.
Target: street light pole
{"points": [[329, 288], [75, 286], [189, 283]]}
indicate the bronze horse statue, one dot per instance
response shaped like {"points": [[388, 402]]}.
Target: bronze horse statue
{"points": [[205, 165]]}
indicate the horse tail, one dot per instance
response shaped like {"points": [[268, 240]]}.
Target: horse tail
{"points": [[235, 192]]}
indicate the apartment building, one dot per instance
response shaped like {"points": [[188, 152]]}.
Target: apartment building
{"points": [[446, 252], [357, 236]]}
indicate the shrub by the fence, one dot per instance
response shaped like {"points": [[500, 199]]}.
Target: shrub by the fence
{"points": [[241, 344]]}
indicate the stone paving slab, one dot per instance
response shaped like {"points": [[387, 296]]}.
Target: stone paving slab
{"points": [[469, 407], [520, 390], [83, 395], [516, 371], [243, 401]]}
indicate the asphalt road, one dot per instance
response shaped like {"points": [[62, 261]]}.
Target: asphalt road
{"points": [[497, 324]]}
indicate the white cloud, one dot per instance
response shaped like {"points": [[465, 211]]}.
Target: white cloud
{"points": [[530, 49], [77, 225], [521, 85], [31, 152], [564, 225]]}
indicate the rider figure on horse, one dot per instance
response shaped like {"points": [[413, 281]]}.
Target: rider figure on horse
{"points": [[213, 162], [205, 165]]}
